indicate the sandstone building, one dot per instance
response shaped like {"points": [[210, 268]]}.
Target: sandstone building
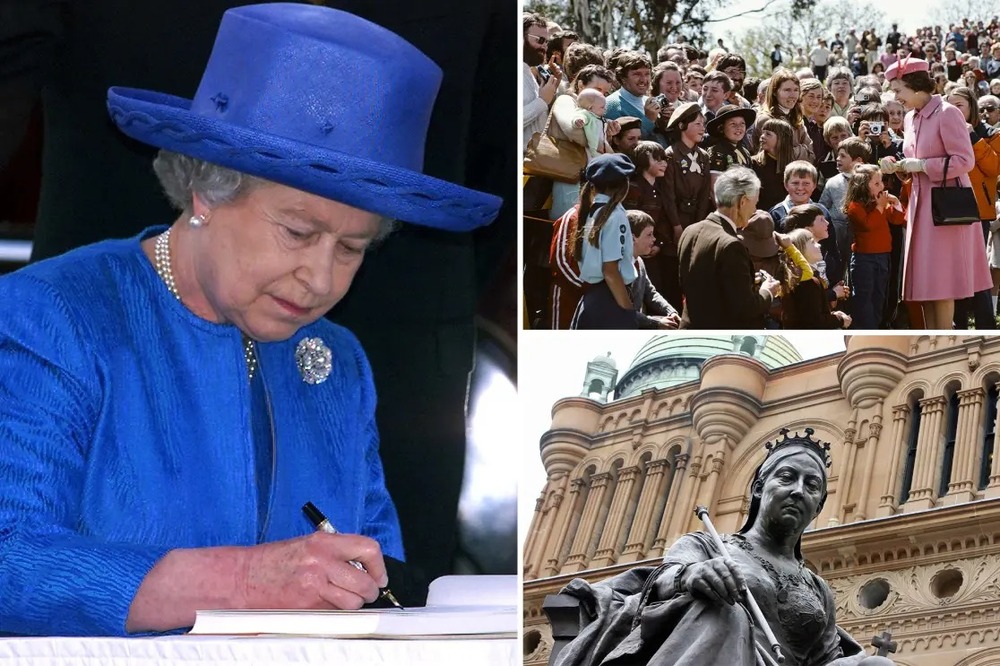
{"points": [[909, 538]]}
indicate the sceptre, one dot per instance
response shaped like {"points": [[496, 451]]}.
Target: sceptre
{"points": [[758, 616]]}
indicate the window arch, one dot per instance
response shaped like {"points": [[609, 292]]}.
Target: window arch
{"points": [[989, 436], [948, 454], [911, 448]]}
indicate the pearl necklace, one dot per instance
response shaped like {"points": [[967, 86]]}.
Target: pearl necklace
{"points": [[161, 260]]}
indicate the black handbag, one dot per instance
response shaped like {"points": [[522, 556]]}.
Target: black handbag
{"points": [[952, 206]]}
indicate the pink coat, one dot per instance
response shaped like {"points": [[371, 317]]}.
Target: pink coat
{"points": [[941, 263]]}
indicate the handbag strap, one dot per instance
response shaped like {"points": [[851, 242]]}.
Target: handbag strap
{"points": [[944, 176]]}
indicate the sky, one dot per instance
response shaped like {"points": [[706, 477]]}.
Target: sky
{"points": [[917, 14], [552, 365]]}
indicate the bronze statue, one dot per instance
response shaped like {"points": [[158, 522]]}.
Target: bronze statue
{"points": [[697, 607]]}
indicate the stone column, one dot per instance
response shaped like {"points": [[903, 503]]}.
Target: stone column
{"points": [[844, 475], [875, 430], [928, 453], [539, 552], [891, 489], [536, 520], [968, 439], [578, 557], [605, 554], [533, 533], [993, 487], [676, 514], [706, 494], [565, 520], [635, 545]]}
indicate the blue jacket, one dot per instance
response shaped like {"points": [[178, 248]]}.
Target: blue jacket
{"points": [[125, 433]]}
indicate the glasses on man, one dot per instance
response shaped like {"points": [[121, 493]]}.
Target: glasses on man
{"points": [[988, 109], [539, 40]]}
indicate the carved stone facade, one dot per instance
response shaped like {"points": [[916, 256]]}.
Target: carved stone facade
{"points": [[909, 537]]}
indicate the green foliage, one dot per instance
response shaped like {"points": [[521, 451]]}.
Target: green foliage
{"points": [[553, 10]]}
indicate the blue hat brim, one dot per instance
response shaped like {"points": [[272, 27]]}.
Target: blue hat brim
{"points": [[166, 121]]}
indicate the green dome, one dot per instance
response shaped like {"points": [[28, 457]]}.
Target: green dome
{"points": [[669, 360]]}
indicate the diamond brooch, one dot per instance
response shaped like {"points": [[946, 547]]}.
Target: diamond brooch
{"points": [[315, 360]]}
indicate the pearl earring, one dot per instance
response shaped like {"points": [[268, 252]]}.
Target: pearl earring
{"points": [[196, 221]]}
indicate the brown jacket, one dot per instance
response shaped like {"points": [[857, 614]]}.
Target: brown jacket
{"points": [[687, 188], [717, 277]]}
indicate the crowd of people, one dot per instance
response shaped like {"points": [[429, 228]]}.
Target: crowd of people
{"points": [[686, 194]]}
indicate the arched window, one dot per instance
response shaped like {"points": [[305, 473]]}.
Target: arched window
{"points": [[948, 455], [911, 452], [986, 460], [596, 389]]}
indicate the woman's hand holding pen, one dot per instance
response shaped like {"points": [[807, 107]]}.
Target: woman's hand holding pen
{"points": [[313, 571]]}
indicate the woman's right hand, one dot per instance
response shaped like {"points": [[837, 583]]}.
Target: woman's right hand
{"points": [[312, 571], [718, 579]]}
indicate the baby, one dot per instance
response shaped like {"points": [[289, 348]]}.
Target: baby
{"points": [[589, 115]]}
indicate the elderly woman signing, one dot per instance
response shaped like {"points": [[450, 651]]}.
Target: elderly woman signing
{"points": [[690, 610], [169, 402]]}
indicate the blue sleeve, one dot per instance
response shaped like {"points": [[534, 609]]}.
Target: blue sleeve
{"points": [[614, 235], [54, 579], [380, 521]]}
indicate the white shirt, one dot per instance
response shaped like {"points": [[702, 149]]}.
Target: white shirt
{"points": [[536, 111], [819, 56]]}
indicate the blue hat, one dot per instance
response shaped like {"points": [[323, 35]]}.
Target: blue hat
{"points": [[316, 99], [608, 170]]}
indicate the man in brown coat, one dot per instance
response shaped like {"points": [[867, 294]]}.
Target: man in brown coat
{"points": [[716, 271]]}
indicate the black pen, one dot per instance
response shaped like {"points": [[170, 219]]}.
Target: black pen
{"points": [[323, 524]]}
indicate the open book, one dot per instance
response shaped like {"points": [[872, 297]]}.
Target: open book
{"points": [[456, 606]]}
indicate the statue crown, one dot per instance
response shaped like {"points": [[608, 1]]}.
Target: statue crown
{"points": [[822, 449]]}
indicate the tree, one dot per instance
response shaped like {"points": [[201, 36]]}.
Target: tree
{"points": [[783, 25], [643, 24], [553, 10]]}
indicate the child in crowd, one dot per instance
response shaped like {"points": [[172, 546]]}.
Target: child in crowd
{"points": [[603, 246], [804, 303], [835, 130], [589, 116], [651, 309], [770, 162], [800, 183], [687, 184], [850, 153], [728, 127], [870, 210], [645, 193]]}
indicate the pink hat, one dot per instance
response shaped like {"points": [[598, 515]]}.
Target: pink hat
{"points": [[905, 66]]}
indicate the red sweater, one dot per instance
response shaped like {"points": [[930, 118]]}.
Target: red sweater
{"points": [[871, 227]]}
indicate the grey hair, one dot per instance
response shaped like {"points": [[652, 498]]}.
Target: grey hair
{"points": [[182, 177], [735, 183]]}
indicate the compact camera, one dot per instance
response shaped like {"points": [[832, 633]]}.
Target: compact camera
{"points": [[661, 100], [543, 73], [876, 127]]}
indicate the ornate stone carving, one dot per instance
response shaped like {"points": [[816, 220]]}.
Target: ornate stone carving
{"points": [[876, 429], [910, 589]]}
